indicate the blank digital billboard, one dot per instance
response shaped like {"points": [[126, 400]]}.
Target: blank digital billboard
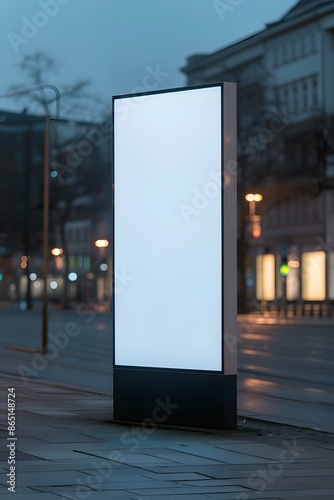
{"points": [[168, 229]]}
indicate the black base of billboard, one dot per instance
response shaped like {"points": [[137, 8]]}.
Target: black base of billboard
{"points": [[175, 397]]}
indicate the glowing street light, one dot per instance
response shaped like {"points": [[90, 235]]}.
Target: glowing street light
{"points": [[252, 199], [255, 220], [57, 251], [101, 243], [101, 281]]}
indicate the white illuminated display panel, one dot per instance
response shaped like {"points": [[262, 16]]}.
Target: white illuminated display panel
{"points": [[314, 275], [265, 277], [168, 230]]}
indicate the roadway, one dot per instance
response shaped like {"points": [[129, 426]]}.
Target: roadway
{"points": [[286, 371]]}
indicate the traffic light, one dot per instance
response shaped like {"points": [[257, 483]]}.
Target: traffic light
{"points": [[256, 230], [284, 268]]}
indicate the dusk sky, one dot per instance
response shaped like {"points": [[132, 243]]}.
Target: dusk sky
{"points": [[116, 43]]}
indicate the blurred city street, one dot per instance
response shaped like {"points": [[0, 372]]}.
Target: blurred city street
{"points": [[167, 173], [285, 366]]}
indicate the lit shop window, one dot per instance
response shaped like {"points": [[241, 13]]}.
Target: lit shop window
{"points": [[265, 277], [314, 276]]}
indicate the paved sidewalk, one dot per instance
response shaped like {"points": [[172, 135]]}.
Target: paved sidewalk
{"points": [[68, 447]]}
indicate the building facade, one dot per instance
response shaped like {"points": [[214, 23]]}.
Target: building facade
{"points": [[80, 194], [285, 77]]}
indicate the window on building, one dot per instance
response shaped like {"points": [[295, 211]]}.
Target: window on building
{"points": [[297, 211], [298, 157], [295, 102], [286, 100], [303, 45], [279, 56], [313, 275], [293, 50], [313, 43], [86, 263], [277, 99], [275, 57], [80, 261], [311, 155], [304, 96], [305, 210], [315, 96]]}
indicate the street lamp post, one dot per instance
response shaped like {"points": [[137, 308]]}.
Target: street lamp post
{"points": [[16, 93], [255, 220], [102, 245], [255, 230], [253, 199]]}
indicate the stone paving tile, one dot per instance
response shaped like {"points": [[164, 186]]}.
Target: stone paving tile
{"points": [[324, 483], [51, 454], [36, 479], [181, 476], [215, 482], [309, 497], [313, 494], [65, 437], [30, 495], [193, 496], [31, 440], [184, 457], [105, 495], [47, 466], [35, 448], [135, 459], [85, 491], [264, 451], [224, 456], [246, 496], [20, 457], [177, 469], [52, 413], [187, 490], [309, 472], [133, 485], [109, 445], [311, 463]]}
